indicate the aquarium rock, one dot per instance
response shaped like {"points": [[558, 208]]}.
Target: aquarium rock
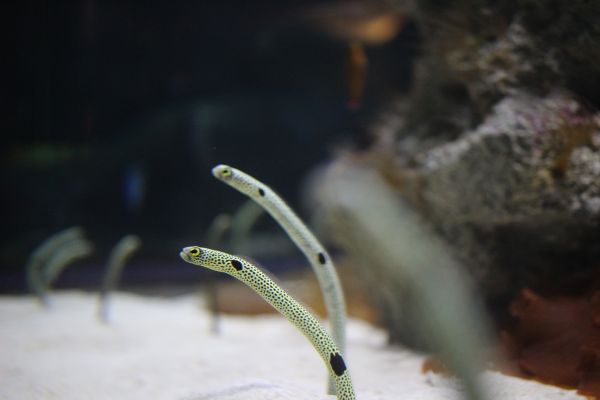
{"points": [[496, 146]]}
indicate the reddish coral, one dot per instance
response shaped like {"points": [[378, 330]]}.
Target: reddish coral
{"points": [[556, 340]]}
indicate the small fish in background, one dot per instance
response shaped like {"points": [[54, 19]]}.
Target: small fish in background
{"points": [[134, 187], [357, 74], [358, 23]]}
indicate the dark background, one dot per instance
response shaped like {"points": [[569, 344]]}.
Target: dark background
{"points": [[168, 90]]}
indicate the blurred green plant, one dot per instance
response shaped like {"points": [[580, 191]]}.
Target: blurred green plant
{"points": [[399, 253]]}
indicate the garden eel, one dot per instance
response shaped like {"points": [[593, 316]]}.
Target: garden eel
{"points": [[215, 236], [282, 302], [64, 256], [36, 281], [119, 256], [316, 254]]}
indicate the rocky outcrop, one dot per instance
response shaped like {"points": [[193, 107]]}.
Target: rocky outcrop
{"points": [[497, 147], [519, 196]]}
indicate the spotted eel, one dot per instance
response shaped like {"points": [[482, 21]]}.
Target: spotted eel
{"points": [[282, 302], [303, 238]]}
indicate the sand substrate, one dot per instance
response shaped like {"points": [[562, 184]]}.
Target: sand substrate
{"points": [[162, 348]]}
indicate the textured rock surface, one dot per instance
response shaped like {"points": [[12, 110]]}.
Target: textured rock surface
{"points": [[498, 144], [519, 196]]}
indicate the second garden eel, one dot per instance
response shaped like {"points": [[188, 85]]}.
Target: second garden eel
{"points": [[282, 302], [316, 254]]}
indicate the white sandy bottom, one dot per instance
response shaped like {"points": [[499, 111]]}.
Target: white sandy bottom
{"points": [[163, 349]]}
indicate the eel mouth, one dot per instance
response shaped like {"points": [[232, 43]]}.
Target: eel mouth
{"points": [[184, 255]]}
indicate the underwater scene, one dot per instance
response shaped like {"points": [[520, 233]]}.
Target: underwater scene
{"points": [[318, 199]]}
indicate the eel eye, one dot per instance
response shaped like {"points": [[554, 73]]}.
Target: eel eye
{"points": [[226, 173], [195, 252]]}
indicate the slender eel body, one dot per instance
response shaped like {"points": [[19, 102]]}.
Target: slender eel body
{"points": [[282, 302], [64, 256], [35, 279], [303, 238], [119, 255], [215, 237]]}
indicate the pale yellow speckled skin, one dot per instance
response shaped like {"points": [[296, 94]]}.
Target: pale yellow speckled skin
{"points": [[282, 302], [316, 254]]}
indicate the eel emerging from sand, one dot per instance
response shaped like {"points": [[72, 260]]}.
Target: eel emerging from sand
{"points": [[282, 302], [316, 254]]}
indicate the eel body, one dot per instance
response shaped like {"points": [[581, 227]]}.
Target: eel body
{"points": [[282, 302], [119, 256], [316, 254], [36, 280]]}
